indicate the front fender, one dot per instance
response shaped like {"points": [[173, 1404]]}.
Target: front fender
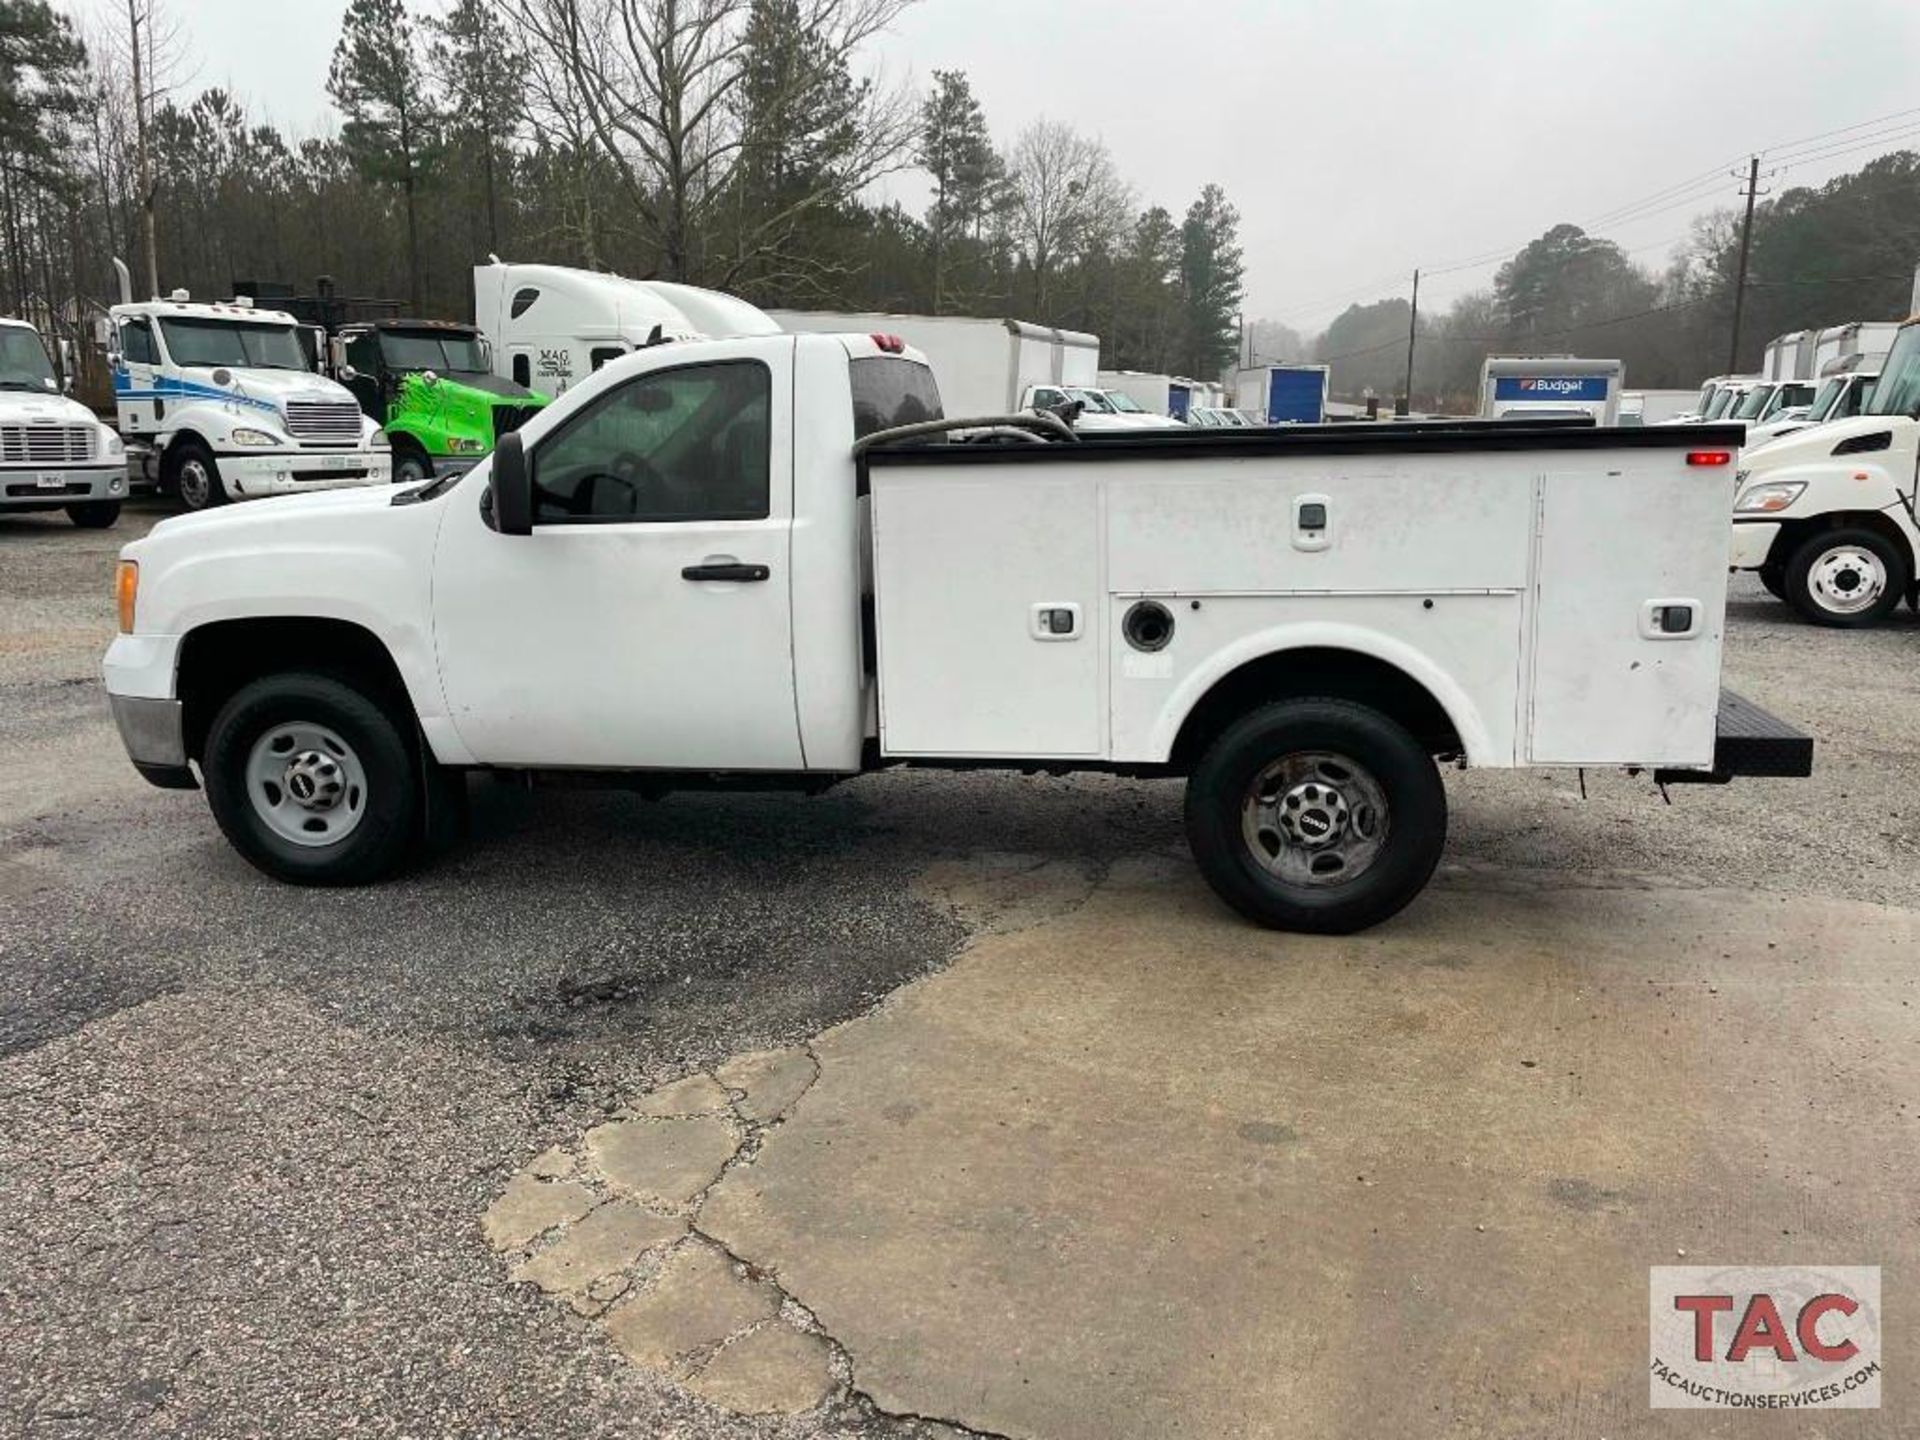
{"points": [[1846, 483], [1467, 721]]}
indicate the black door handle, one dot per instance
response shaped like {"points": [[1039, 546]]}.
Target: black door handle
{"points": [[726, 572]]}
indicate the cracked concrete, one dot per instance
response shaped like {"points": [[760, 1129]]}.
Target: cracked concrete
{"points": [[1131, 1169]]}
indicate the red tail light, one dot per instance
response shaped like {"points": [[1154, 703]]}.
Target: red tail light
{"points": [[1709, 457], [889, 344]]}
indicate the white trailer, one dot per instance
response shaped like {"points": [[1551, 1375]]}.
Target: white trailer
{"points": [[54, 455], [1550, 387], [1656, 407], [1283, 394], [551, 326], [1155, 393], [984, 366], [216, 403]]}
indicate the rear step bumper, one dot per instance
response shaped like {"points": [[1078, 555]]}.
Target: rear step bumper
{"points": [[1749, 741]]}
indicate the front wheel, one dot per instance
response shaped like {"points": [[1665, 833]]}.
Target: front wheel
{"points": [[94, 514], [313, 782], [196, 476], [1316, 815], [1847, 579], [410, 465]]}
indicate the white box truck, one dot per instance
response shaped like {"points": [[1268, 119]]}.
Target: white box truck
{"points": [[1282, 394], [54, 455], [721, 562], [1869, 338], [1157, 394], [1655, 407], [1550, 387]]}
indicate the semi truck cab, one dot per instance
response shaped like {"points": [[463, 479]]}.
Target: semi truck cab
{"points": [[216, 403]]}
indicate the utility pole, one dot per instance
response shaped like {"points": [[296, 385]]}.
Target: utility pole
{"points": [[1740, 285], [1413, 322]]}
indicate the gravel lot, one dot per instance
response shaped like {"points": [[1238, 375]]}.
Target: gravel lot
{"points": [[245, 1130]]}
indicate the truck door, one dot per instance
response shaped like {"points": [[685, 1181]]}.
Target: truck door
{"points": [[646, 622], [134, 380]]}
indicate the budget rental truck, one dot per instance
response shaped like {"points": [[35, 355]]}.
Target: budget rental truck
{"points": [[1550, 387], [759, 562]]}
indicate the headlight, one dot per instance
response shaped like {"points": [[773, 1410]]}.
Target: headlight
{"points": [[1765, 499], [461, 445], [379, 441], [245, 436], [126, 591], [115, 445]]}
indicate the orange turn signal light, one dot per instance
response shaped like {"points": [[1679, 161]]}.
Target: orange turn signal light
{"points": [[126, 590]]}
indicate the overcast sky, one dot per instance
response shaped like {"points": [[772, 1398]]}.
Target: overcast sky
{"points": [[1357, 139]]}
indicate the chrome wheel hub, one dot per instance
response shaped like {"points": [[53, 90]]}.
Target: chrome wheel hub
{"points": [[1847, 580], [306, 784], [196, 485], [1314, 818]]}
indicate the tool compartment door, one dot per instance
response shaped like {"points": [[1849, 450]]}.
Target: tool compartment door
{"points": [[1639, 532], [962, 563]]}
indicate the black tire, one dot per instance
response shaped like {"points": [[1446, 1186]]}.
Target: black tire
{"points": [[389, 830], [1775, 581], [1830, 564], [193, 475], [1407, 839], [94, 514], [410, 464]]}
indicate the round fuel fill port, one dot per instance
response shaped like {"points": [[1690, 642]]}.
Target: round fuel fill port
{"points": [[1148, 625]]}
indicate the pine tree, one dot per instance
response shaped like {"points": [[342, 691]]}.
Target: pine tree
{"points": [[1210, 283], [391, 122], [480, 70], [956, 150]]}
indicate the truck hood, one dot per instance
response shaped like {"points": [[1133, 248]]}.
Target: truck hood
{"points": [[270, 514], [1815, 443], [25, 407], [268, 387]]}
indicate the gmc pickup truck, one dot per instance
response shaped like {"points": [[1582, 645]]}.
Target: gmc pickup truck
{"points": [[765, 561]]}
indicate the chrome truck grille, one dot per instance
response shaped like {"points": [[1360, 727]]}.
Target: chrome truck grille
{"points": [[331, 422], [45, 444]]}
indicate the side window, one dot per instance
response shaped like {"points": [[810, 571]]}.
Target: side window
{"points": [[686, 444], [522, 302], [602, 354], [136, 342], [363, 353], [523, 370]]}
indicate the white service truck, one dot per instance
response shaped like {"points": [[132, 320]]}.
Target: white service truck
{"points": [[216, 403], [723, 562], [1826, 516], [54, 454]]}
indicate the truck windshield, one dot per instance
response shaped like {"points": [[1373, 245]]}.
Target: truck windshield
{"points": [[1094, 400], [1788, 395], [1122, 402], [1721, 402], [1829, 395], [227, 342], [23, 360], [1753, 403], [450, 354], [1707, 393], [1897, 391]]}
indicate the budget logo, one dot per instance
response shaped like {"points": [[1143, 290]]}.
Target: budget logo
{"points": [[1764, 1337]]}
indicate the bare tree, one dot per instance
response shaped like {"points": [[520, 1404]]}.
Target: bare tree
{"points": [[654, 83], [1067, 199], [149, 50]]}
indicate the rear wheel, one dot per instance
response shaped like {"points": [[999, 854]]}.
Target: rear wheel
{"points": [[1316, 815], [1847, 579], [313, 781], [195, 475], [1775, 581], [410, 464], [94, 514]]}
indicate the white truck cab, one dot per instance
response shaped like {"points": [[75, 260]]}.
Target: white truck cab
{"points": [[551, 326], [216, 403], [759, 561], [54, 454], [1826, 515]]}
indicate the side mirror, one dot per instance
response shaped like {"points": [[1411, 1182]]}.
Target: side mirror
{"points": [[347, 374], [510, 487], [66, 383]]}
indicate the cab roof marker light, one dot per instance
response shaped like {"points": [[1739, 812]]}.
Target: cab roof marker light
{"points": [[889, 344]]}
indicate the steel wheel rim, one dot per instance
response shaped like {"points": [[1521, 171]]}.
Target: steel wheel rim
{"points": [[196, 485], [1847, 579], [306, 784], [1315, 818]]}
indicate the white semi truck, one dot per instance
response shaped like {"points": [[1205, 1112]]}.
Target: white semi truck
{"points": [[216, 403], [752, 562], [54, 455]]}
